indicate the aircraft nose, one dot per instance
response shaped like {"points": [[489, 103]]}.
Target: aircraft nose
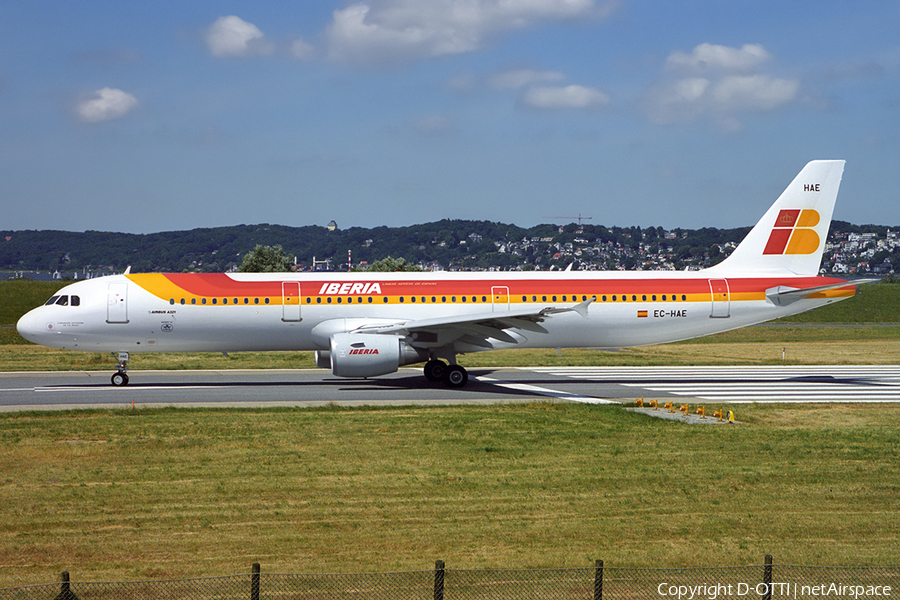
{"points": [[32, 326]]}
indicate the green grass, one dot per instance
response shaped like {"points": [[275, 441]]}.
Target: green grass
{"points": [[123, 495]]}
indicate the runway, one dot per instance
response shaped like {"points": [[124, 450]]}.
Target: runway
{"points": [[316, 387]]}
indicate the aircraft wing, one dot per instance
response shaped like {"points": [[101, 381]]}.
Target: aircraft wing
{"points": [[784, 295], [476, 329]]}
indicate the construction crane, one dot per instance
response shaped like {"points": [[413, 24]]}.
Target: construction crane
{"points": [[579, 217]]}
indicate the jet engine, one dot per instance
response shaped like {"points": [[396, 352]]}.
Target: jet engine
{"points": [[367, 355]]}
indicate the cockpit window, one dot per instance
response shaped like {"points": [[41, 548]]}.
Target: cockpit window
{"points": [[63, 301], [51, 301], [75, 301]]}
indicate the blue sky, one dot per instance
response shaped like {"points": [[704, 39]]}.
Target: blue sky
{"points": [[136, 117]]}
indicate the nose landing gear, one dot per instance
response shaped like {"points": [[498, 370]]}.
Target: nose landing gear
{"points": [[120, 377]]}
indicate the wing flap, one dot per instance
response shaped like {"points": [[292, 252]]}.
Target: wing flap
{"points": [[476, 328]]}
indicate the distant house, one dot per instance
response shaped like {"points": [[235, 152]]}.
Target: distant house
{"points": [[332, 226]]}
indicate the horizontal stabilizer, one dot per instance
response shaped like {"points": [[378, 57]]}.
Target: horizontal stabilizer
{"points": [[784, 295]]}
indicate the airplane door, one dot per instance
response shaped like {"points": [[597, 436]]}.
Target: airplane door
{"points": [[500, 298], [117, 303], [290, 301], [721, 299]]}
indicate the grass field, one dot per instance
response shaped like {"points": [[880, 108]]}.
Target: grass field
{"points": [[159, 493], [122, 495]]}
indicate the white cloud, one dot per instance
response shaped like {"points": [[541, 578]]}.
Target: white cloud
{"points": [[433, 125], [106, 105], [378, 31], [232, 36], [711, 56], [510, 80], [301, 50], [570, 96], [754, 92], [719, 83]]}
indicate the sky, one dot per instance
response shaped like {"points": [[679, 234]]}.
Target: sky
{"points": [[160, 116]]}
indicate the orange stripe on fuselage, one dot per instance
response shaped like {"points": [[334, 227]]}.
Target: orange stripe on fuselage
{"points": [[168, 286]]}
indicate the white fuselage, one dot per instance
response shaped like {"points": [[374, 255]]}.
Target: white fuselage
{"points": [[257, 312]]}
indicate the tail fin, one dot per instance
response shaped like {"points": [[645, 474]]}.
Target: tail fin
{"points": [[790, 238]]}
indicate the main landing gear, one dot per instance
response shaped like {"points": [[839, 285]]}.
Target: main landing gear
{"points": [[120, 377], [453, 375]]}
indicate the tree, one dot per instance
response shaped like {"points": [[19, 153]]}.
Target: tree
{"points": [[390, 264], [266, 259]]}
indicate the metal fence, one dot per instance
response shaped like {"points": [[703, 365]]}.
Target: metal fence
{"points": [[755, 582]]}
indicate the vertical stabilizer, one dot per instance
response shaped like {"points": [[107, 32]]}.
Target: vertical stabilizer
{"points": [[790, 238]]}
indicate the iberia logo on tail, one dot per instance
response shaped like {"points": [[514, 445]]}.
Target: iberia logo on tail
{"points": [[793, 232]]}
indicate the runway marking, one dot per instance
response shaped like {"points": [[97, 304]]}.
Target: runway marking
{"points": [[533, 389], [860, 384]]}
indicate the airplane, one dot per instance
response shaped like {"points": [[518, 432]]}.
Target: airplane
{"points": [[366, 324]]}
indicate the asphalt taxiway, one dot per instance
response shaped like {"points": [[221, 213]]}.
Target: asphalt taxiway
{"points": [[316, 387]]}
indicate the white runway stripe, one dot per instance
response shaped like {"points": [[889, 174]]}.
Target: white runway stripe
{"points": [[866, 383]]}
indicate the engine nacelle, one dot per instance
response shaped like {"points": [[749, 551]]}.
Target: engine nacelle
{"points": [[368, 355]]}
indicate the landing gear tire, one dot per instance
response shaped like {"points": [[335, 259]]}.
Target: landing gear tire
{"points": [[435, 370], [119, 379], [456, 377]]}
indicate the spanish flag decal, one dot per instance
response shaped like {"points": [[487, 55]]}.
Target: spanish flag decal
{"points": [[793, 233], [642, 313]]}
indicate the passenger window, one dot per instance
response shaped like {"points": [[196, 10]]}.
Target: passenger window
{"points": [[171, 300], [193, 301]]}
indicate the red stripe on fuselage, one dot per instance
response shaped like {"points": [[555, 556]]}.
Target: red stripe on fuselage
{"points": [[221, 285]]}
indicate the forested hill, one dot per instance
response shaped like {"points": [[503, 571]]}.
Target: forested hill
{"points": [[447, 244]]}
